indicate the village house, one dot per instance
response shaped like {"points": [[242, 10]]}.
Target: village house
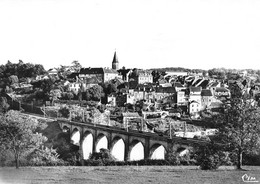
{"points": [[144, 92], [91, 72], [206, 98], [182, 98], [163, 92], [194, 108], [144, 77], [221, 93], [164, 83], [74, 87], [102, 74], [178, 86], [52, 72], [195, 100], [110, 74]]}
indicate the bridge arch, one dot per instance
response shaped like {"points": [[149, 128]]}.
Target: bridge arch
{"points": [[136, 150], [101, 142], [157, 151], [75, 136], [87, 144], [182, 150], [66, 129], [118, 148]]}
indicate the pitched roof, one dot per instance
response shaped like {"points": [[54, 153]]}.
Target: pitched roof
{"points": [[165, 89], [221, 89], [203, 83], [195, 89], [124, 71], [214, 84], [206, 92], [91, 71], [73, 75], [108, 70], [177, 84]]}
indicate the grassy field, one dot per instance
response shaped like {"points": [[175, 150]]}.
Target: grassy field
{"points": [[125, 175]]}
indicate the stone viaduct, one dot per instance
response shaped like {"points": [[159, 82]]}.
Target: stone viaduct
{"points": [[150, 141]]}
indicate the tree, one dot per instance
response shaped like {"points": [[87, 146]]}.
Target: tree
{"points": [[19, 134], [109, 88], [95, 93], [238, 124], [70, 95], [76, 66], [3, 105], [54, 95], [13, 79]]}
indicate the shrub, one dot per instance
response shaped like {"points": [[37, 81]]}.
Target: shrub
{"points": [[65, 112], [173, 158], [45, 157], [209, 157], [210, 162]]}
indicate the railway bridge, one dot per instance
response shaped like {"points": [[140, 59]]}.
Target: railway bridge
{"points": [[88, 137]]}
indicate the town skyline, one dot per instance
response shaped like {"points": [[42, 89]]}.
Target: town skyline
{"points": [[194, 35]]}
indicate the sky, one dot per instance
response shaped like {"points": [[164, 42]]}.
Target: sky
{"points": [[201, 34]]}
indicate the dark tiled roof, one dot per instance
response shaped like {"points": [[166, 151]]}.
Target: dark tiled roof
{"points": [[206, 92], [124, 71], [195, 89], [221, 89], [165, 89], [203, 84], [91, 71], [196, 81], [142, 87], [73, 75]]}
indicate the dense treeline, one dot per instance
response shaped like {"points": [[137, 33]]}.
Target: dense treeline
{"points": [[21, 70]]}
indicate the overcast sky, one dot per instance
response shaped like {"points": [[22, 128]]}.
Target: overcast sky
{"points": [[145, 33]]}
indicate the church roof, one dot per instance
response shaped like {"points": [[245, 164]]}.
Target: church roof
{"points": [[115, 59]]}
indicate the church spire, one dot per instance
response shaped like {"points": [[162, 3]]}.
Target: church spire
{"points": [[115, 63]]}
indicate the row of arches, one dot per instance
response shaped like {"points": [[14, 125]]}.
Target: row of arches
{"points": [[136, 150]]}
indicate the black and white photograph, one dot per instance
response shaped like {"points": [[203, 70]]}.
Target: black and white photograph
{"points": [[129, 91]]}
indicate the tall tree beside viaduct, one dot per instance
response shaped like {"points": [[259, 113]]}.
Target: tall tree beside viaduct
{"points": [[239, 123], [19, 134]]}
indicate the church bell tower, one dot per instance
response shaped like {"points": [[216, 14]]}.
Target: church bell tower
{"points": [[115, 63]]}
